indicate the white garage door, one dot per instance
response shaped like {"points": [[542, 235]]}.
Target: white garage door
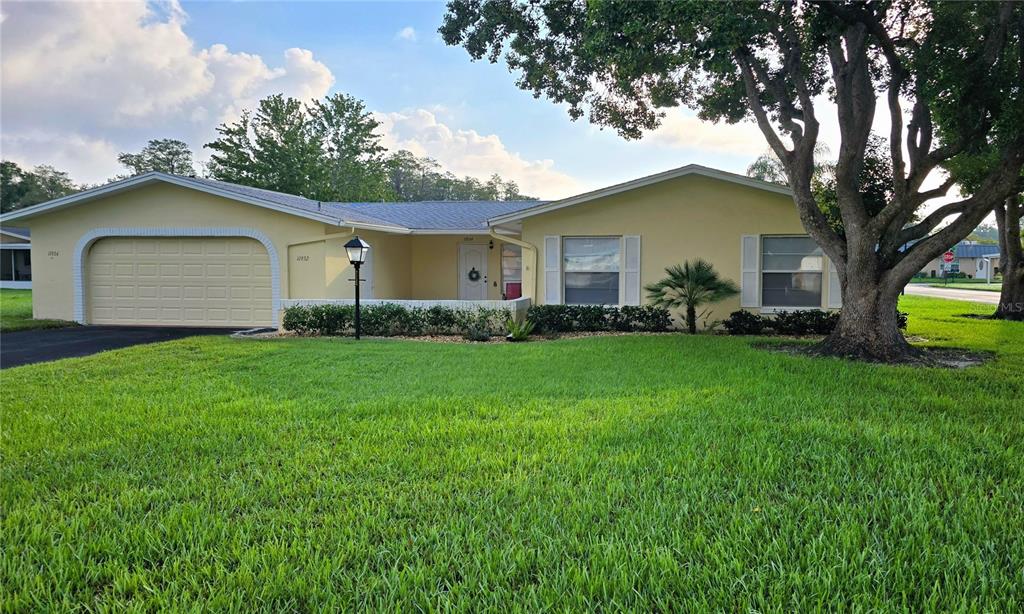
{"points": [[179, 281]]}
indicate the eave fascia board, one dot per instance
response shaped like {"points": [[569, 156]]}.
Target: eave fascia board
{"points": [[154, 177], [449, 231]]}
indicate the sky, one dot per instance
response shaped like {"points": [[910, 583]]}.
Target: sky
{"points": [[83, 81]]}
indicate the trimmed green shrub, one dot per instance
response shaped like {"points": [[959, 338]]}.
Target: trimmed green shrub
{"points": [[440, 320], [805, 322], [745, 323], [319, 319], [642, 318], [392, 319], [474, 333], [553, 319], [796, 323]]}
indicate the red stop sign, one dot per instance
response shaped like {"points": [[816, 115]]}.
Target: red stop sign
{"points": [[947, 257]]}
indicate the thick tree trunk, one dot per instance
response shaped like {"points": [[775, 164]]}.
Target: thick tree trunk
{"points": [[1011, 260], [691, 319], [868, 328], [1011, 299]]}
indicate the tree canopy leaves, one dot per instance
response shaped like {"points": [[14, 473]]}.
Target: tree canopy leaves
{"points": [[21, 188], [164, 155], [331, 150]]}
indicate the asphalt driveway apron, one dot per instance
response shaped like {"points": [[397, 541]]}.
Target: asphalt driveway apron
{"points": [[31, 346]]}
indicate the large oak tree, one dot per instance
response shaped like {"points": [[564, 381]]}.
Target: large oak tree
{"points": [[949, 76]]}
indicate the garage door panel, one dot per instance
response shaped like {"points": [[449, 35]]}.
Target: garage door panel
{"points": [[168, 247], [195, 281], [126, 269], [144, 247]]}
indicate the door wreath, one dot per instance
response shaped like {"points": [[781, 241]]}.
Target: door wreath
{"points": [[474, 275]]}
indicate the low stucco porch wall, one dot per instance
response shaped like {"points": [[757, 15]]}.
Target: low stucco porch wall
{"points": [[406, 267]]}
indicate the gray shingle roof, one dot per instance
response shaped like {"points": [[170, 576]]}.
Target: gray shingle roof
{"points": [[423, 215], [18, 231], [964, 250], [440, 215]]}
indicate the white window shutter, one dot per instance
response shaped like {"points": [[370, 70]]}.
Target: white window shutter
{"points": [[835, 291], [552, 270], [750, 295], [631, 270]]}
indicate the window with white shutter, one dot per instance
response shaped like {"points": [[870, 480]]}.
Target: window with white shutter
{"points": [[552, 270], [631, 270], [835, 291], [749, 255]]}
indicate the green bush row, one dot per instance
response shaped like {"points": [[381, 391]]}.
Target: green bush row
{"points": [[391, 319], [804, 322], [549, 319]]}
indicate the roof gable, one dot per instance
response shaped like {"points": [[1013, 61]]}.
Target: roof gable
{"points": [[396, 217], [683, 171], [285, 203]]}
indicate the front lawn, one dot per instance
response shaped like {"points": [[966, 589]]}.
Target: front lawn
{"points": [[621, 472], [973, 285], [16, 312]]}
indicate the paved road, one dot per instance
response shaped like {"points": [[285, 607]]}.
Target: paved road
{"points": [[977, 296], [30, 346]]}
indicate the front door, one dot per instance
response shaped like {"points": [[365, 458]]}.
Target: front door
{"points": [[472, 272]]}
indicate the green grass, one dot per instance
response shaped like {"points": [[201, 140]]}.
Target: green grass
{"points": [[625, 472], [970, 285], [16, 312]]}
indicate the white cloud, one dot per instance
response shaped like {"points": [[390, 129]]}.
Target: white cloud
{"points": [[88, 160], [682, 131], [467, 152], [78, 78], [408, 33]]}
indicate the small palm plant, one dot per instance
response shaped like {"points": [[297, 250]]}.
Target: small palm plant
{"points": [[690, 285]]}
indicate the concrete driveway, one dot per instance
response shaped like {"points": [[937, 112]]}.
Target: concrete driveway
{"points": [[31, 346], [977, 296]]}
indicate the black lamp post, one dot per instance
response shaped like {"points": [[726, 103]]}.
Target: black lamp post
{"points": [[357, 250]]}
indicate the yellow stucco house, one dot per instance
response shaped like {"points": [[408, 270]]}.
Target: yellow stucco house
{"points": [[160, 249]]}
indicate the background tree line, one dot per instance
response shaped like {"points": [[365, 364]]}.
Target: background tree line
{"points": [[328, 150]]}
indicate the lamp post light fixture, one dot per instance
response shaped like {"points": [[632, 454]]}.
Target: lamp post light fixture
{"points": [[357, 250]]}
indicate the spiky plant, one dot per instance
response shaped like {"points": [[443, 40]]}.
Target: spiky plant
{"points": [[690, 285]]}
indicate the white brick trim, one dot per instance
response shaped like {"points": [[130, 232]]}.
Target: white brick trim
{"points": [[78, 264]]}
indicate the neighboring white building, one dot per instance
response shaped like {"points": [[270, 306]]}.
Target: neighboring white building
{"points": [[970, 258]]}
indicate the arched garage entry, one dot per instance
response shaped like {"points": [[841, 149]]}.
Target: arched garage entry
{"points": [[177, 277]]}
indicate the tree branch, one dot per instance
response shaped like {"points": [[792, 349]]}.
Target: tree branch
{"points": [[799, 165]]}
